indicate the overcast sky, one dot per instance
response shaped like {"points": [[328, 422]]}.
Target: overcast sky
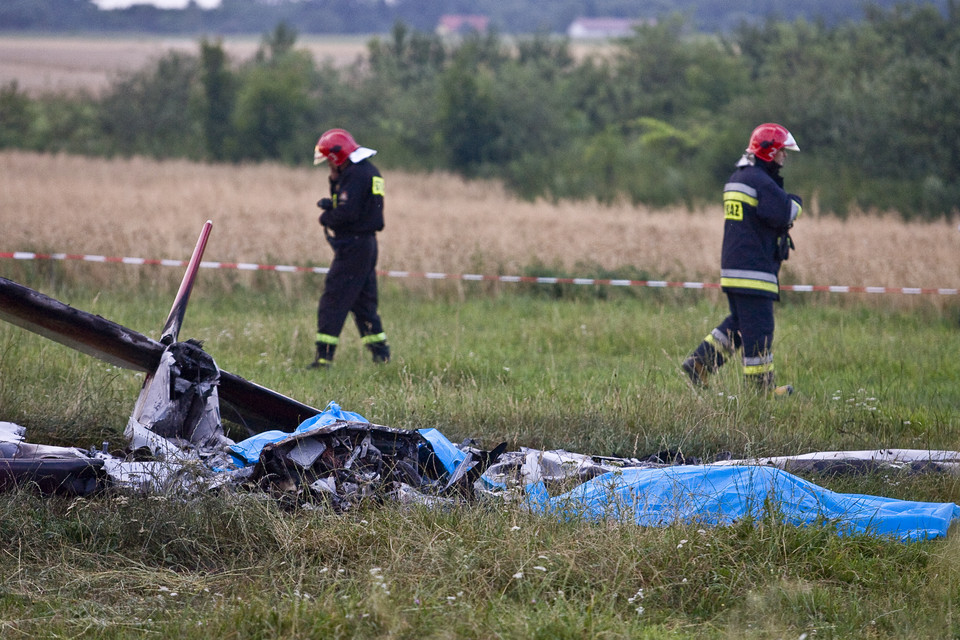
{"points": [[164, 4]]}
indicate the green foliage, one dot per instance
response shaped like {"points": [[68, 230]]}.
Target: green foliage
{"points": [[217, 98], [273, 102], [873, 98], [661, 73], [14, 115], [408, 58], [269, 116], [468, 107], [149, 112], [277, 43], [71, 125]]}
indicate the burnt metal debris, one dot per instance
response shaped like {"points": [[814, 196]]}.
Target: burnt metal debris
{"points": [[61, 470], [176, 439], [175, 435], [243, 402], [342, 464]]}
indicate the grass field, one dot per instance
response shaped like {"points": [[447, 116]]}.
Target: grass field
{"points": [[585, 374], [585, 369]]}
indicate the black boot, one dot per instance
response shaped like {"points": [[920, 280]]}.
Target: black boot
{"points": [[696, 371], [704, 361], [324, 357], [380, 351]]}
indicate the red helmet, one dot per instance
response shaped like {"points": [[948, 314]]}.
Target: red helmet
{"points": [[769, 138], [334, 145]]}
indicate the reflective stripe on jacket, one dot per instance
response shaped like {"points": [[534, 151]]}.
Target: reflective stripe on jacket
{"points": [[757, 213]]}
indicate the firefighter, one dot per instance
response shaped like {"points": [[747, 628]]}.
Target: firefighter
{"points": [[351, 217], [758, 215]]}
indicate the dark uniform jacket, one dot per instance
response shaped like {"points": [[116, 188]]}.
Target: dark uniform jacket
{"points": [[357, 196], [758, 215]]}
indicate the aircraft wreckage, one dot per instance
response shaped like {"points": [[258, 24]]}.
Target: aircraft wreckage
{"points": [[306, 456]]}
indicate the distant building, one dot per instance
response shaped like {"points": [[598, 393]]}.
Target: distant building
{"points": [[599, 28], [453, 25]]}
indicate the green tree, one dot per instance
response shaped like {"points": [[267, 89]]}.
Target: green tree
{"points": [[468, 121], [277, 43], [396, 100], [537, 125], [272, 109], [217, 99], [872, 100], [68, 124], [15, 117], [149, 112], [407, 58]]}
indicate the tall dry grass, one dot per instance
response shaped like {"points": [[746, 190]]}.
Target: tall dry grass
{"points": [[443, 223]]}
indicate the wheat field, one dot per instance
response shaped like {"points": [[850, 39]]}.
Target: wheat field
{"points": [[266, 214]]}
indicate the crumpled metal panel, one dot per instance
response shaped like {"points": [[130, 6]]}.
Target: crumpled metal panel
{"points": [[52, 470], [179, 403], [342, 464]]}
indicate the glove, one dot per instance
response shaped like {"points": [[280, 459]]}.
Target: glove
{"points": [[325, 203], [784, 246]]}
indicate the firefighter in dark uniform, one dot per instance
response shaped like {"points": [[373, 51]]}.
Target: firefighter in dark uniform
{"points": [[758, 216], [351, 217]]}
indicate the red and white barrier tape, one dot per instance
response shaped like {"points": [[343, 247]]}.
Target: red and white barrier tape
{"points": [[472, 277]]}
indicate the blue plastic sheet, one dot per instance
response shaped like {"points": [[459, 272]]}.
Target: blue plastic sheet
{"points": [[247, 452], [446, 451], [708, 495], [714, 495]]}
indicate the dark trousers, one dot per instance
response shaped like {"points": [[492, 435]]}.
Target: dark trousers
{"points": [[750, 324], [350, 287], [748, 327]]}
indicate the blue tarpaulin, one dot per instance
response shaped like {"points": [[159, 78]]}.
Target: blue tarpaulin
{"points": [[446, 451], [709, 495], [714, 495], [247, 452]]}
